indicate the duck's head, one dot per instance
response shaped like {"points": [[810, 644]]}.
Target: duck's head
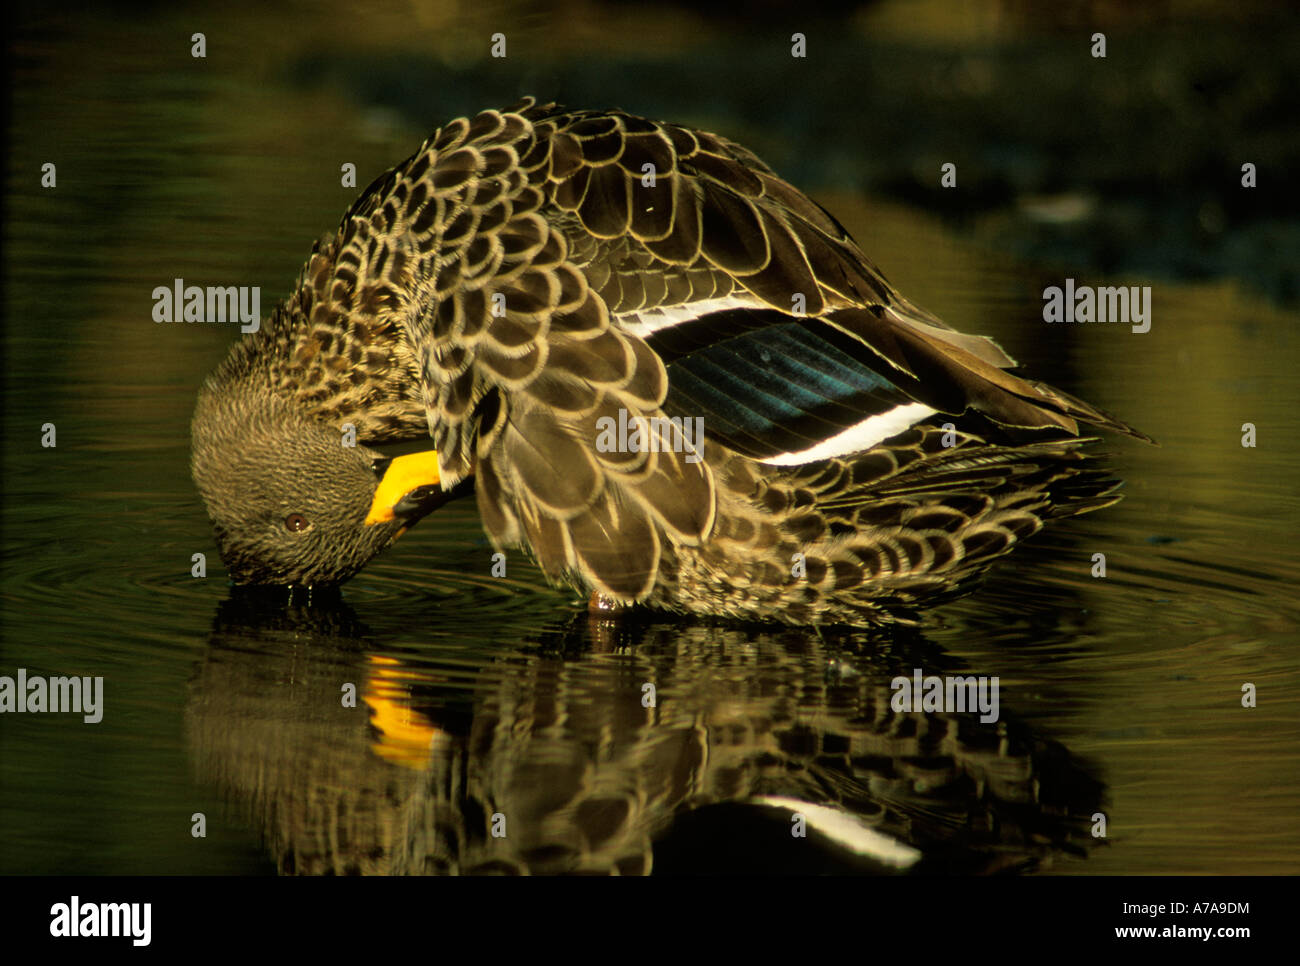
{"points": [[292, 503]]}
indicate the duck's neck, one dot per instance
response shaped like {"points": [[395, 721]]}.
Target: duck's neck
{"points": [[332, 365]]}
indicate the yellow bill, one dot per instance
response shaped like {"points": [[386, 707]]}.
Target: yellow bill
{"points": [[404, 474]]}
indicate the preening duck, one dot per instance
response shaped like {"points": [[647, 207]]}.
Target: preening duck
{"points": [[663, 371]]}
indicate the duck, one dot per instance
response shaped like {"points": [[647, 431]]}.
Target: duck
{"points": [[666, 374]]}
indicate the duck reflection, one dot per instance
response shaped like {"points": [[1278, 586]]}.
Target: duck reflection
{"points": [[623, 748]]}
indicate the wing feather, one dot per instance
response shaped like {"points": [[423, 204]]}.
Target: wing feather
{"points": [[555, 272]]}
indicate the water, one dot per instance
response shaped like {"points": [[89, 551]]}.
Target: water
{"points": [[477, 695]]}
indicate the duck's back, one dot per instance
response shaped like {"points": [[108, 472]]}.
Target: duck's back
{"points": [[677, 379]]}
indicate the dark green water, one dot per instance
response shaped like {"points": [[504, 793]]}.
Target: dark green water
{"points": [[478, 695]]}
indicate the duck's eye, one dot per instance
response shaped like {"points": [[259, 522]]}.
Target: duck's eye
{"points": [[296, 523], [380, 466]]}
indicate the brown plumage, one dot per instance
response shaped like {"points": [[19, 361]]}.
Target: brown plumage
{"points": [[529, 279]]}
